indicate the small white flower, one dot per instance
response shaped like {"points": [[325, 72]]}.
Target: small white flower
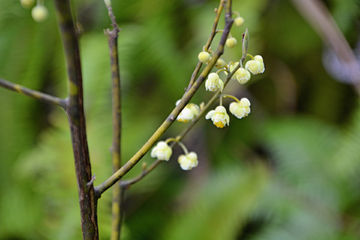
{"points": [[219, 117], [190, 112], [214, 83], [261, 60], [161, 151], [242, 75], [240, 109], [255, 66], [189, 161]]}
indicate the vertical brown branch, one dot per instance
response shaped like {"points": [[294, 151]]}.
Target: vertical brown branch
{"points": [[75, 112], [118, 191], [116, 141]]}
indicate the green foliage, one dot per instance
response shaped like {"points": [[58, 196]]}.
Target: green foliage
{"points": [[223, 205], [287, 171]]}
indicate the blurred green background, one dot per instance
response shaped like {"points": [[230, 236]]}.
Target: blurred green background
{"points": [[288, 171]]}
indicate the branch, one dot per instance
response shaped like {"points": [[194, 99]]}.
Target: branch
{"points": [[75, 112], [171, 118], [316, 13], [34, 94], [118, 193], [146, 171], [207, 45]]}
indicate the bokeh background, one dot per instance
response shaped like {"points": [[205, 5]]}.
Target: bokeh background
{"points": [[290, 170]]}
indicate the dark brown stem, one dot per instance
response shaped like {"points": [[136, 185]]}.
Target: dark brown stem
{"points": [[117, 211], [75, 112], [32, 93]]}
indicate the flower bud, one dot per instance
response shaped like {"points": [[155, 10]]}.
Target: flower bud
{"points": [[242, 75], [231, 42], [27, 3], [39, 13], [238, 21], [253, 66], [204, 57], [220, 63]]}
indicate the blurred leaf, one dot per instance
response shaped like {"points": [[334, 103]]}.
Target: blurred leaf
{"points": [[225, 202]]}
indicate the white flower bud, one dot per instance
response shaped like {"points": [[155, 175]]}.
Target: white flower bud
{"points": [[204, 57], [242, 75], [27, 3], [39, 13], [238, 21], [231, 42]]}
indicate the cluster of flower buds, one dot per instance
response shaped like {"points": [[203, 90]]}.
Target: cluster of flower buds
{"points": [[39, 13], [254, 66], [220, 118]]}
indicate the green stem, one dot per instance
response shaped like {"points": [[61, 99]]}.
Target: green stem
{"points": [[208, 43], [34, 94], [231, 96], [145, 172], [171, 118], [183, 147]]}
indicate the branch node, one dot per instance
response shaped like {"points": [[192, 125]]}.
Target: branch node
{"points": [[89, 184]]}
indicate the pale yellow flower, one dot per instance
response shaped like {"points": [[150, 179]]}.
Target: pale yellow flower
{"points": [[261, 60], [219, 117], [190, 112], [242, 75], [161, 151], [255, 66], [240, 109], [214, 83], [189, 161]]}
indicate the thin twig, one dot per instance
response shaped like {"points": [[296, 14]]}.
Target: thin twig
{"points": [[316, 13], [208, 43], [34, 94], [118, 192], [171, 118], [111, 14]]}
